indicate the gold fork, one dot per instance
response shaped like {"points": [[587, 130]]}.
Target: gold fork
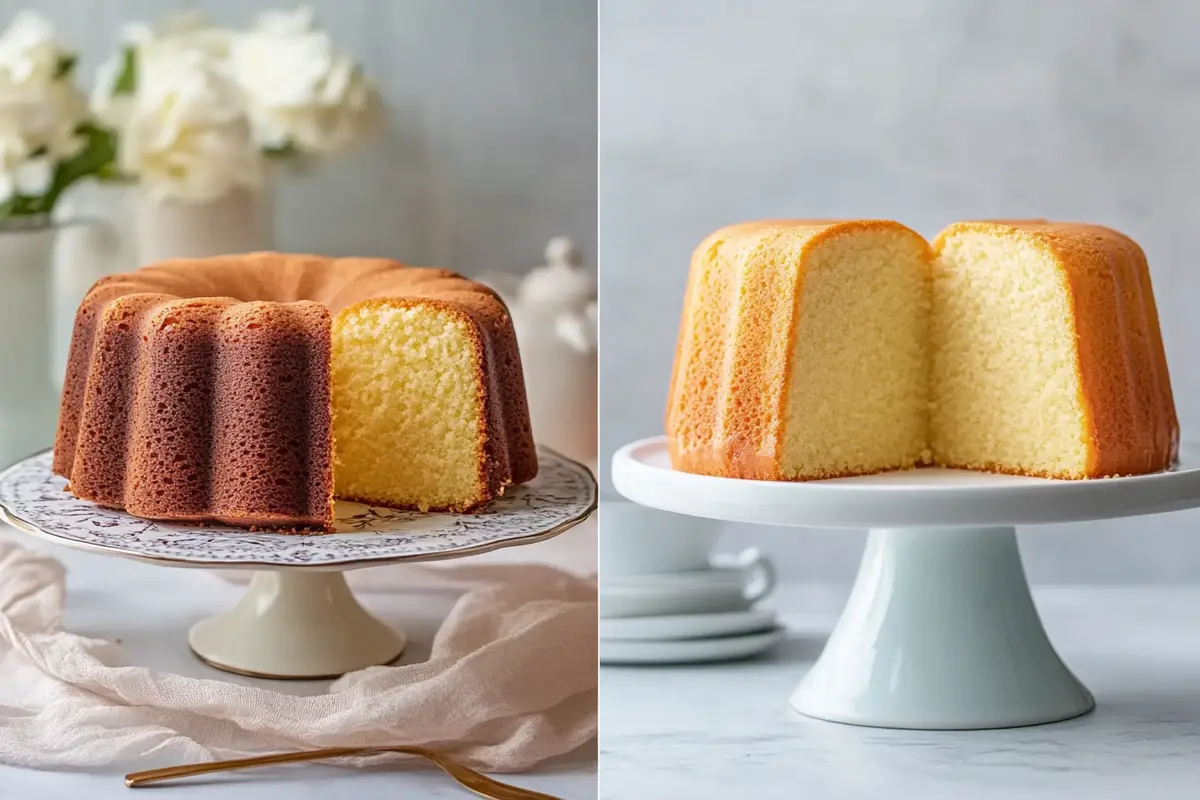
{"points": [[477, 782]]}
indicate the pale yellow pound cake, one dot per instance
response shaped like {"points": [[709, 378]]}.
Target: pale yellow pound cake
{"points": [[815, 349], [803, 352]]}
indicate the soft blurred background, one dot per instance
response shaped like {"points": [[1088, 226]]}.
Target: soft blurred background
{"points": [[451, 133], [926, 112], [488, 149]]}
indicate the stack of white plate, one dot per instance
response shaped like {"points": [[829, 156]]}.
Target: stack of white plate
{"points": [[688, 616]]}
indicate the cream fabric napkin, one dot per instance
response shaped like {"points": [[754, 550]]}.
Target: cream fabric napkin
{"points": [[511, 681]]}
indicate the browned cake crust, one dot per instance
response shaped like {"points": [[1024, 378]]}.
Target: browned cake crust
{"points": [[200, 389]]}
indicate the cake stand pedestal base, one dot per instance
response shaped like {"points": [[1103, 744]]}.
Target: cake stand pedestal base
{"points": [[940, 632], [300, 625]]}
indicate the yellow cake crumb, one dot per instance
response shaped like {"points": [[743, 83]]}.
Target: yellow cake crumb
{"points": [[405, 432]]}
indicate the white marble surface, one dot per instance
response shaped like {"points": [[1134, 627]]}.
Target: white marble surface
{"points": [[706, 731], [149, 609]]}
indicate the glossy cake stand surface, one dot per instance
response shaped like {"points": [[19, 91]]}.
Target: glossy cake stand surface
{"points": [[298, 618], [940, 631]]}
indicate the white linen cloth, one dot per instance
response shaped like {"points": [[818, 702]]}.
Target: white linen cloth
{"points": [[511, 681]]}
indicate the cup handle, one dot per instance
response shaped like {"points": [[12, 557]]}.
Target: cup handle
{"points": [[759, 571]]}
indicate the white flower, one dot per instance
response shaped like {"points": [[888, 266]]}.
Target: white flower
{"points": [[286, 23], [29, 49], [300, 91], [186, 136], [111, 108], [183, 30], [195, 105], [40, 108]]}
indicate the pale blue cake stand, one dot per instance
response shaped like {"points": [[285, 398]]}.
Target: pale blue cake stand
{"points": [[940, 631]]}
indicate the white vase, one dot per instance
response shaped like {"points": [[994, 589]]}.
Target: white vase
{"points": [[94, 238], [241, 221], [28, 395]]}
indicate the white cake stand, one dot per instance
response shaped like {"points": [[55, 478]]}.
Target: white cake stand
{"points": [[940, 631], [299, 619]]}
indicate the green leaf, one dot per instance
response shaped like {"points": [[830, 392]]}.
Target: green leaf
{"points": [[18, 206], [66, 64], [286, 150], [127, 79], [97, 154], [111, 173]]}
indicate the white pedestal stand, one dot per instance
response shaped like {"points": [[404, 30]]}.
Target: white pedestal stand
{"points": [[299, 619], [940, 631], [296, 621]]}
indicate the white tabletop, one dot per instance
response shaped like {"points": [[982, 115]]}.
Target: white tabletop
{"points": [[149, 609], [718, 730]]}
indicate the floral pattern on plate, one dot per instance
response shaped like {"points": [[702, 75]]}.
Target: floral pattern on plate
{"points": [[563, 493]]}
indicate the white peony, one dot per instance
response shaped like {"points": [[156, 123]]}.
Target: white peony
{"points": [[40, 108], [184, 93], [300, 92], [185, 135], [29, 50], [183, 30]]}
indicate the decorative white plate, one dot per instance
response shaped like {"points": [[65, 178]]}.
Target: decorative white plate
{"points": [[687, 626], [299, 619], [563, 494], [688, 651]]}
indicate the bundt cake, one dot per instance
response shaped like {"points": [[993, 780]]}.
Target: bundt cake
{"points": [[818, 349], [252, 389]]}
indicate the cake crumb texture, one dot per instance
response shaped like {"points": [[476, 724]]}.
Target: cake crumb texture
{"points": [[408, 408]]}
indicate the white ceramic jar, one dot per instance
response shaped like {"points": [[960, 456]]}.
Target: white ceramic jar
{"points": [[554, 313], [94, 238], [28, 395], [240, 221]]}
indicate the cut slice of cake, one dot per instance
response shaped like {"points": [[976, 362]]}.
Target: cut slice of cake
{"points": [[1047, 356]]}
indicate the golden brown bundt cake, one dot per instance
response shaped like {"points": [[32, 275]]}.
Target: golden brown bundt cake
{"points": [[815, 349], [251, 389]]}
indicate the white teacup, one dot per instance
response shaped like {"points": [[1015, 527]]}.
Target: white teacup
{"points": [[636, 540], [645, 552]]}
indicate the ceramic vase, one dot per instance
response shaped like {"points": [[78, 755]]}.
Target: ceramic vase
{"points": [[28, 395], [94, 238], [240, 221]]}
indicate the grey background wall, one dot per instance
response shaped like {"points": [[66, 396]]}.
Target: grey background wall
{"points": [[925, 111], [491, 148]]}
